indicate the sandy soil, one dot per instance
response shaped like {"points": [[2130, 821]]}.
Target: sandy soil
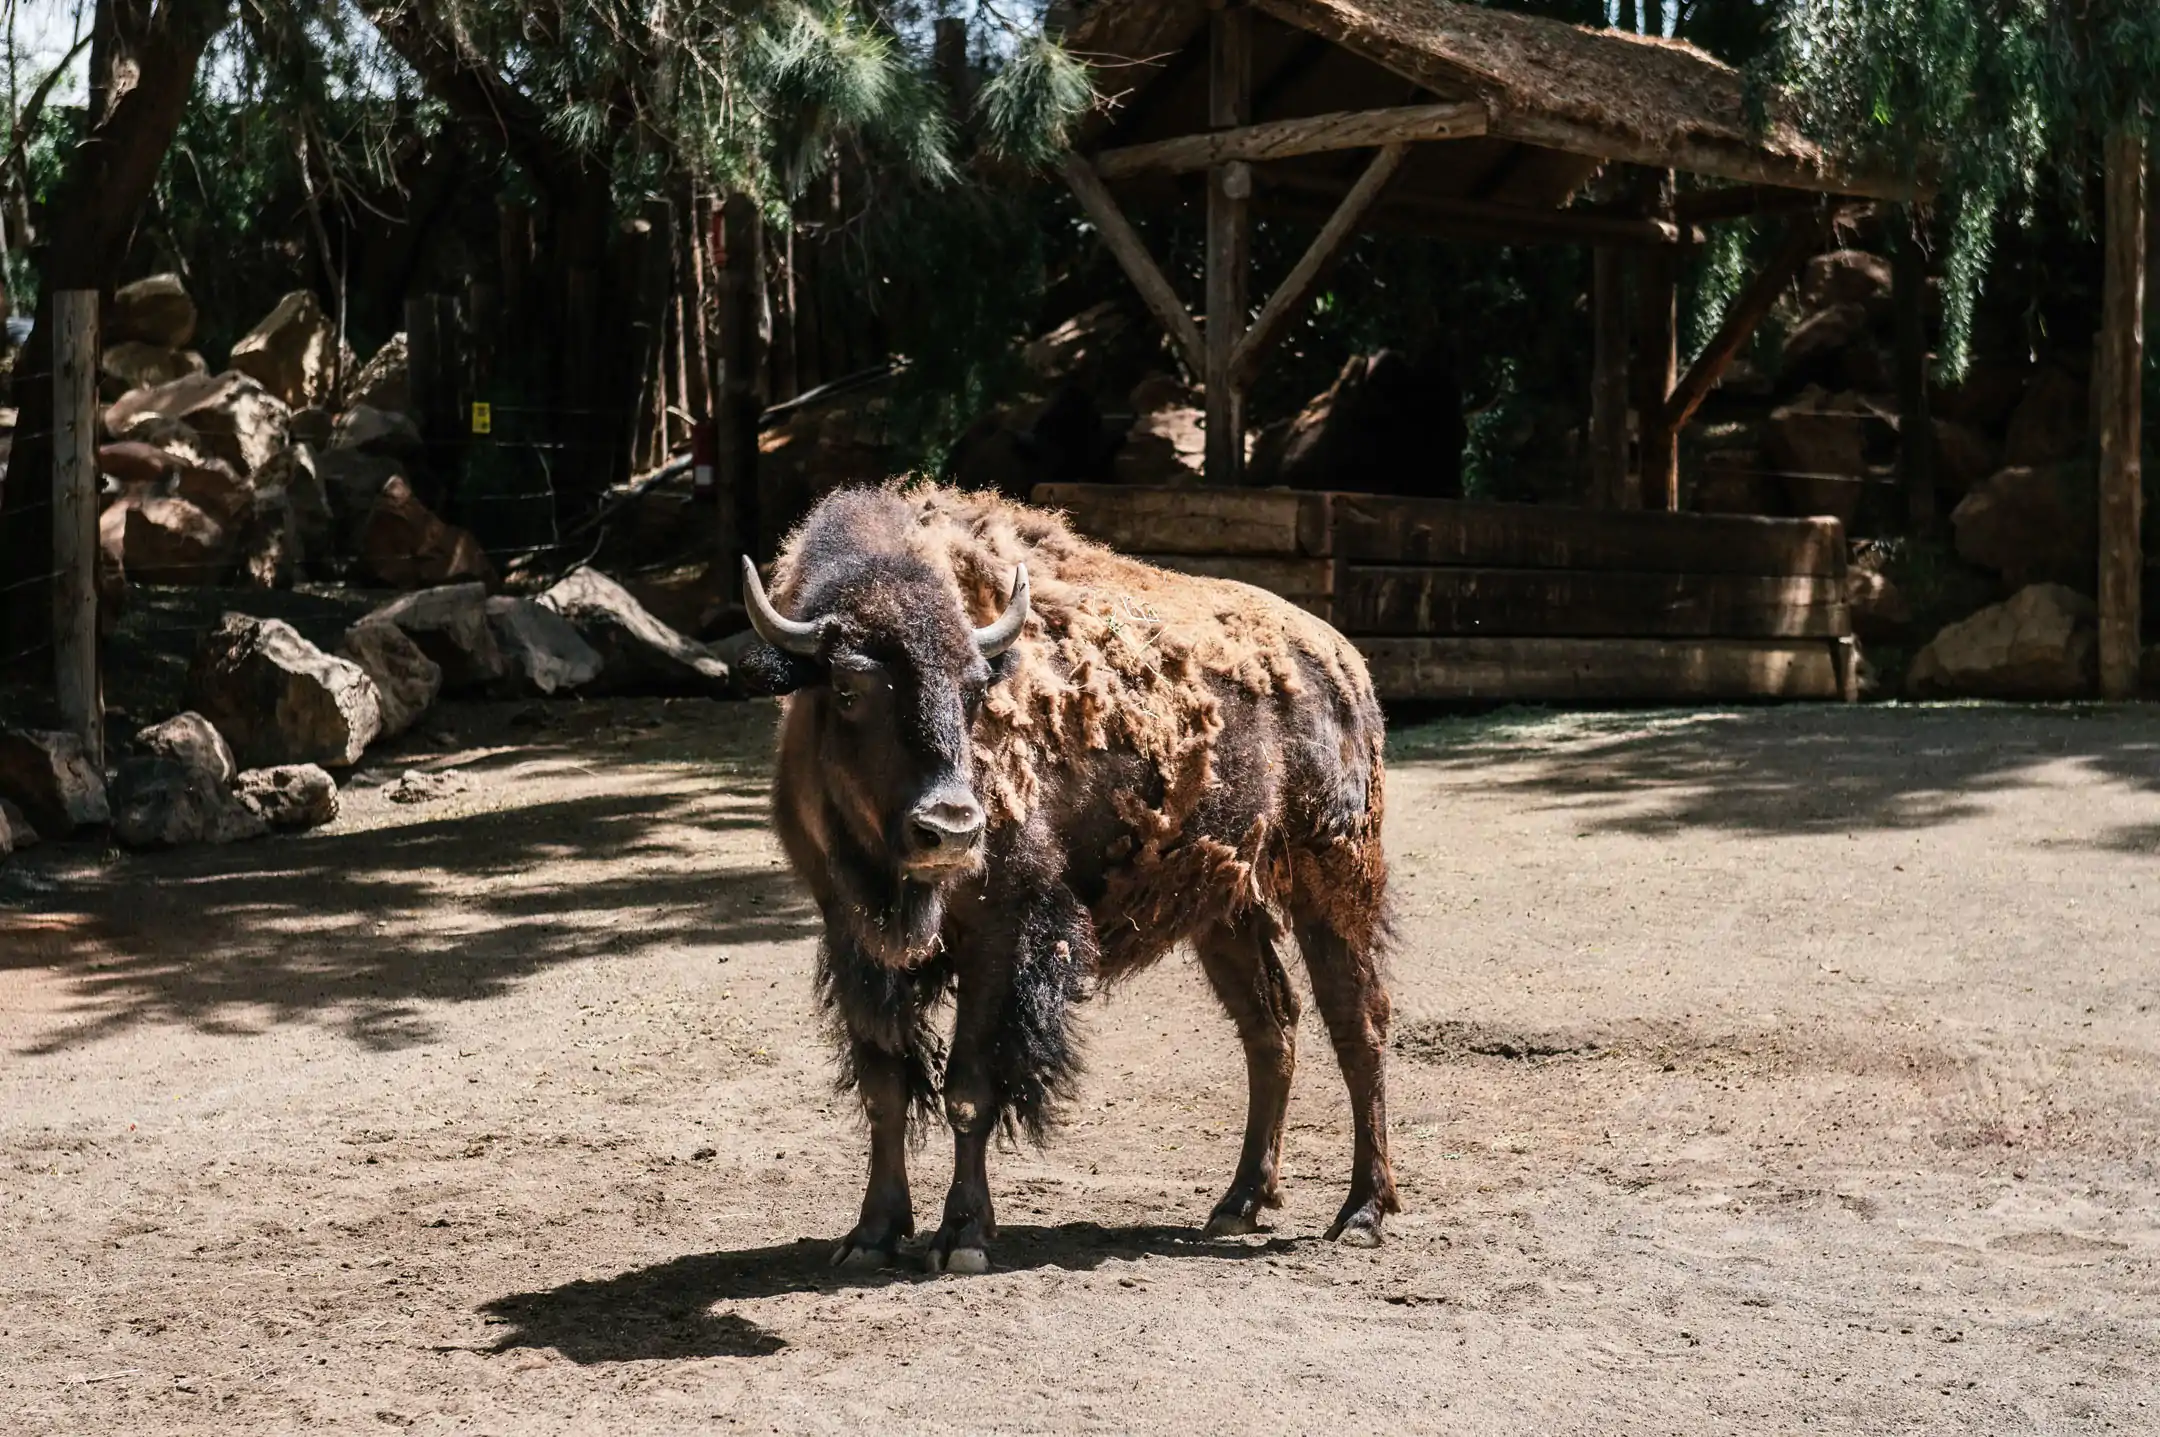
{"points": [[1785, 1070]]}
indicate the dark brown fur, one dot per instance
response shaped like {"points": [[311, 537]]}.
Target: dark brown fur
{"points": [[1163, 759]]}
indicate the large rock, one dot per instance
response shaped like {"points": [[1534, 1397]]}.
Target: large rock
{"points": [[1817, 434], [134, 464], [384, 381], [1167, 443], [1879, 610], [2031, 525], [268, 548], [1817, 340], [1963, 457], [51, 779], [351, 481], [193, 740], [165, 541], [2036, 644], [545, 649], [407, 680], [1387, 425], [450, 624], [155, 310], [639, 653], [2050, 422], [238, 420], [278, 699], [16, 830], [292, 469], [216, 490], [179, 790], [168, 436], [289, 797], [292, 352], [135, 365], [1845, 276], [1985, 398], [406, 546], [376, 431]]}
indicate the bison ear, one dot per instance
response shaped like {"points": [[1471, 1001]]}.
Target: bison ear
{"points": [[763, 669], [1005, 665]]}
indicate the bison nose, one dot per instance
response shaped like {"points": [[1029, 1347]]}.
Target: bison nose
{"points": [[944, 832]]}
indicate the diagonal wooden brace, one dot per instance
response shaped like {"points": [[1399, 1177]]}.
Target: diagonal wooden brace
{"points": [[1138, 264]]}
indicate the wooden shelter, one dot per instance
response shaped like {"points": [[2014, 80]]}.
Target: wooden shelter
{"points": [[1448, 119]]}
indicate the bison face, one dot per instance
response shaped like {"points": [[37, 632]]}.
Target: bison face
{"points": [[887, 679]]}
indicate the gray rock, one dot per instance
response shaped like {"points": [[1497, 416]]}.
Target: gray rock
{"points": [[407, 680], [49, 776], [384, 380], [2032, 525], [352, 480], [16, 824], [545, 649], [292, 352], [450, 624], [191, 739], [376, 431], [293, 470], [1845, 276], [235, 417], [2051, 423], [639, 653], [1818, 338], [165, 800], [2036, 644], [155, 310], [290, 797], [278, 699], [139, 366]]}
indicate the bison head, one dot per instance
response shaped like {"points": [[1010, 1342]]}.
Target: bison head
{"points": [[887, 672]]}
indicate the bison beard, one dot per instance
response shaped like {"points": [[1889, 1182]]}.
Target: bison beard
{"points": [[1003, 815]]}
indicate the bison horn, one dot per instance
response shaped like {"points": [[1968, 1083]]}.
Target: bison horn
{"points": [[1001, 635], [792, 636]]}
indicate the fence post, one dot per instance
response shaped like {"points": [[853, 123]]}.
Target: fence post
{"points": [[75, 518]]}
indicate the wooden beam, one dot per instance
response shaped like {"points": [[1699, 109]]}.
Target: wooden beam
{"points": [[1734, 202], [1267, 328], [1586, 603], [1608, 381], [1587, 670], [1157, 520], [1139, 266], [1508, 224], [1282, 139], [2122, 355], [76, 677], [1657, 443], [1801, 241], [1916, 427], [1229, 242], [1742, 163]]}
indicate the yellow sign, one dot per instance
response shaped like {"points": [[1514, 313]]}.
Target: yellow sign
{"points": [[483, 418]]}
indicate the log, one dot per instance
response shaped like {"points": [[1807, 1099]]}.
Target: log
{"points": [[1722, 160], [1588, 603], [1141, 520], [1602, 670], [1608, 381], [1657, 368], [1761, 295], [1916, 428], [1513, 224], [1282, 139], [2118, 413], [75, 518], [1297, 579], [1229, 241], [1267, 328], [1131, 254], [1382, 529]]}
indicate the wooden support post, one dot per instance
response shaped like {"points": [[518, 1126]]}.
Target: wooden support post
{"points": [[739, 273], [1253, 347], [1658, 364], [1228, 242], [1126, 248], [1916, 427], [1609, 487], [1746, 312], [75, 518], [2121, 376]]}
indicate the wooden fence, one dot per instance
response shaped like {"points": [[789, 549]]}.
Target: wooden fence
{"points": [[1452, 599]]}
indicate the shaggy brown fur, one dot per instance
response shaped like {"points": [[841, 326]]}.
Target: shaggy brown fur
{"points": [[1160, 759]]}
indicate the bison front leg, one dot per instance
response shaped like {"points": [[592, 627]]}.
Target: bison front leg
{"points": [[890, 1057], [888, 1213], [1013, 1056]]}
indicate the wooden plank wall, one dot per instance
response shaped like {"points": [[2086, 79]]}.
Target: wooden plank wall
{"points": [[1461, 600]]}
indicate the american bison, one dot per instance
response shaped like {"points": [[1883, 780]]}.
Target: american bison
{"points": [[1014, 764]]}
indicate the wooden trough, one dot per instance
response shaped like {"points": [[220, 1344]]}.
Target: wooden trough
{"points": [[1451, 599]]}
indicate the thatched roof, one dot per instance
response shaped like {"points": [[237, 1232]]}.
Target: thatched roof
{"points": [[1602, 93]]}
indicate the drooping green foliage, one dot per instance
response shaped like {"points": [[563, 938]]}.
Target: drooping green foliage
{"points": [[1990, 102], [1031, 104]]}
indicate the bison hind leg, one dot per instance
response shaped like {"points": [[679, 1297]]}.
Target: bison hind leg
{"points": [[1243, 963], [1354, 1003]]}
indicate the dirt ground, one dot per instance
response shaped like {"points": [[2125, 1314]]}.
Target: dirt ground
{"points": [[1778, 1070]]}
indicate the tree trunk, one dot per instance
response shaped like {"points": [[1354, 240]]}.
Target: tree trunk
{"points": [[2121, 377], [142, 68], [1916, 426]]}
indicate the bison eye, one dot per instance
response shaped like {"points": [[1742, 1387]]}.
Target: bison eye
{"points": [[844, 699]]}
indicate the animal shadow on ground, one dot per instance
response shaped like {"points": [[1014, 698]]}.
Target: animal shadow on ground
{"points": [[357, 929], [666, 1311]]}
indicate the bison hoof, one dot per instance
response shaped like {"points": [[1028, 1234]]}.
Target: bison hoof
{"points": [[858, 1256], [961, 1261], [1230, 1224], [1357, 1227]]}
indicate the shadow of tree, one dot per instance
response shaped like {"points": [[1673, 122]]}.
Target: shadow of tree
{"points": [[362, 928], [666, 1311], [1794, 770]]}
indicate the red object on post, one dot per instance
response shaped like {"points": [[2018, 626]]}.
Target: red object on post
{"points": [[704, 460]]}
